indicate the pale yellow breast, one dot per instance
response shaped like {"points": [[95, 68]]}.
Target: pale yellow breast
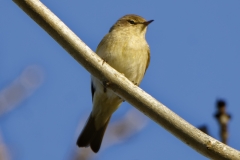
{"points": [[127, 54]]}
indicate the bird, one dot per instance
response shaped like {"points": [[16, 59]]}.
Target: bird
{"points": [[125, 49]]}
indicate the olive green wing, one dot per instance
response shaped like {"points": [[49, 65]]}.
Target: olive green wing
{"points": [[148, 59]]}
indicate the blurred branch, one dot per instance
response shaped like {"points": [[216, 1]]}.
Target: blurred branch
{"points": [[201, 142], [204, 129], [126, 127], [223, 118], [3, 151], [21, 88]]}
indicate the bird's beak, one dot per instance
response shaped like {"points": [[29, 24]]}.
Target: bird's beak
{"points": [[148, 22]]}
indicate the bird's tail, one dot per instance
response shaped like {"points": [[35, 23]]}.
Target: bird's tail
{"points": [[92, 136]]}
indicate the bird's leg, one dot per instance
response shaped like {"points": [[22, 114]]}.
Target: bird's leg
{"points": [[105, 85], [105, 82], [121, 99]]}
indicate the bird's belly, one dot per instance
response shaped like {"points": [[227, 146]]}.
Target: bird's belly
{"points": [[104, 103], [132, 65], [128, 57]]}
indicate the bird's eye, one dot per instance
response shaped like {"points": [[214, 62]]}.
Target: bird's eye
{"points": [[131, 21]]}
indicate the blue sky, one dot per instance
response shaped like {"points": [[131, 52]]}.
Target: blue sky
{"points": [[195, 56]]}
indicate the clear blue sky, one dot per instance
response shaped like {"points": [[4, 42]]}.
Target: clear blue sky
{"points": [[195, 59]]}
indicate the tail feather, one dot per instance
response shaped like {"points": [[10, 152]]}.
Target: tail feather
{"points": [[91, 136], [97, 140], [87, 134]]}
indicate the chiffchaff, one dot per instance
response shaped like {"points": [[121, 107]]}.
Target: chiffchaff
{"points": [[126, 50]]}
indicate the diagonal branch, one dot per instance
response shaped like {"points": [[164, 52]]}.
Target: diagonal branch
{"points": [[196, 139]]}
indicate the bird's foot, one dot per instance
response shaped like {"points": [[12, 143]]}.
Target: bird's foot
{"points": [[103, 61], [135, 83]]}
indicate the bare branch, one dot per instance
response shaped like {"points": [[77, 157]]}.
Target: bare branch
{"points": [[201, 142]]}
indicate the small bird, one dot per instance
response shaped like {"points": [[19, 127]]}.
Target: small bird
{"points": [[126, 50]]}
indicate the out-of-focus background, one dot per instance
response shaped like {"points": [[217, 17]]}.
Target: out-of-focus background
{"points": [[45, 94]]}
